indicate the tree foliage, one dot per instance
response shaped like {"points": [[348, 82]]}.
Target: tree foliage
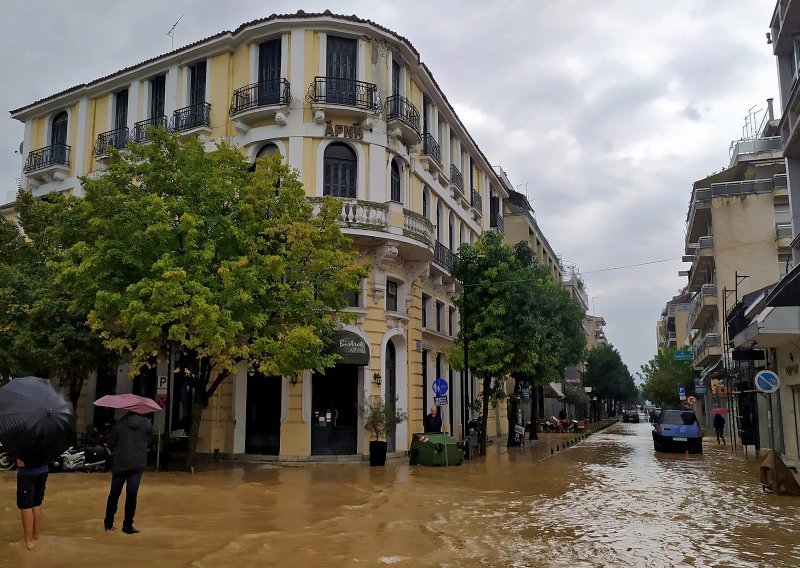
{"points": [[662, 376], [515, 320], [200, 255], [609, 376]]}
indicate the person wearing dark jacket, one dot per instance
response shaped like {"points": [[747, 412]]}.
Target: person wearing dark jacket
{"points": [[128, 441], [432, 422], [719, 427]]}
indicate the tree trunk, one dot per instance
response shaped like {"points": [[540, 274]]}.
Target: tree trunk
{"points": [[198, 404], [534, 434], [512, 412], [487, 391]]}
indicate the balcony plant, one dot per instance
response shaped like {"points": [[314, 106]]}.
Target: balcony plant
{"points": [[379, 419]]}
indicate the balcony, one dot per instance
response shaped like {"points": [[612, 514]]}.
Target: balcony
{"points": [[707, 351], [112, 139], [48, 164], [192, 119], [703, 260], [402, 119], [704, 306], [343, 97], [699, 214], [443, 256], [498, 223], [259, 101], [141, 130], [456, 180], [476, 202], [417, 227]]}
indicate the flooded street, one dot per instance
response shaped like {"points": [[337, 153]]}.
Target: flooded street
{"points": [[607, 501]]}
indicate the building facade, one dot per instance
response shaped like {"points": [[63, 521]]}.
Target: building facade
{"points": [[351, 106], [671, 328]]}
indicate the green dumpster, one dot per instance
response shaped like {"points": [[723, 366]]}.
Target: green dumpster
{"points": [[435, 449]]}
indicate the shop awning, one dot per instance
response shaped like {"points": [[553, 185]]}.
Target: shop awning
{"points": [[773, 327], [787, 292], [554, 391], [351, 347]]}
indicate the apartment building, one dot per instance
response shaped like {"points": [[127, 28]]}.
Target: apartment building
{"points": [[352, 107], [671, 327]]}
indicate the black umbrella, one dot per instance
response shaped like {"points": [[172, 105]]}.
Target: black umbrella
{"points": [[36, 423]]}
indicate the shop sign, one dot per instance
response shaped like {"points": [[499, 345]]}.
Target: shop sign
{"points": [[351, 131], [352, 348]]}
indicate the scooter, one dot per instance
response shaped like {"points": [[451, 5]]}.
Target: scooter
{"points": [[93, 457]]}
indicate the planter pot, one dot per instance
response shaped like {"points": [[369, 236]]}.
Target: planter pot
{"points": [[377, 453]]}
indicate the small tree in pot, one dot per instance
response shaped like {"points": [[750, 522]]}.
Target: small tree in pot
{"points": [[379, 419]]}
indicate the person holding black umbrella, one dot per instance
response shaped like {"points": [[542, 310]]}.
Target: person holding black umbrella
{"points": [[31, 483], [128, 440]]}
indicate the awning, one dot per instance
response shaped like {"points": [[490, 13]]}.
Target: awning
{"points": [[554, 391], [787, 292], [351, 347], [771, 328], [710, 369]]}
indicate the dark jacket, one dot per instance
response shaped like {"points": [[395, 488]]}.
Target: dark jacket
{"points": [[719, 421], [129, 439], [432, 423]]}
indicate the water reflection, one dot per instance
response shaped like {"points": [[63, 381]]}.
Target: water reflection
{"points": [[607, 501]]}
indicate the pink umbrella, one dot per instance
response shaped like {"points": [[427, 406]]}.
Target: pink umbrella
{"points": [[132, 402], [719, 411]]}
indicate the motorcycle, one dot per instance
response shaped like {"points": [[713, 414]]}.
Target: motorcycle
{"points": [[93, 456]]}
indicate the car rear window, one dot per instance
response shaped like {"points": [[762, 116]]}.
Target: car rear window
{"points": [[685, 418]]}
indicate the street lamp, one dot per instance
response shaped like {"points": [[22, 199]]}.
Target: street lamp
{"points": [[466, 386], [588, 391]]}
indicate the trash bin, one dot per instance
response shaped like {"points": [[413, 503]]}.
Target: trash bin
{"points": [[473, 437], [435, 449]]}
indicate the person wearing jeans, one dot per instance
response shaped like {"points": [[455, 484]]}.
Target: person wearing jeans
{"points": [[128, 440]]}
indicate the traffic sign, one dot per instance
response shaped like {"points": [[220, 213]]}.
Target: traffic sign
{"points": [[691, 399], [440, 400], [767, 381], [440, 387], [682, 393], [161, 386], [161, 400], [699, 386]]}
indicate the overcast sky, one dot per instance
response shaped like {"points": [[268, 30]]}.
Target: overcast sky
{"points": [[604, 112]]}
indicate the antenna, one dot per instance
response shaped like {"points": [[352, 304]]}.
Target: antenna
{"points": [[171, 32]]}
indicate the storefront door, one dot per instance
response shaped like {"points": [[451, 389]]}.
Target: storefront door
{"points": [[263, 426], [334, 418]]}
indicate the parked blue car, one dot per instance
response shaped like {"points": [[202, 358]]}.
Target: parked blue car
{"points": [[677, 429]]}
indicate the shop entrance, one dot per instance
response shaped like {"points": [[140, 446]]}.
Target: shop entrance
{"points": [[334, 418], [263, 425]]}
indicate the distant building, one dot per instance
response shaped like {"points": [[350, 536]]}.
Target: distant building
{"points": [[671, 327]]}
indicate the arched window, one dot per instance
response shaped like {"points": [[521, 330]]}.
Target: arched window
{"points": [[394, 194], [339, 171], [58, 131], [269, 149]]}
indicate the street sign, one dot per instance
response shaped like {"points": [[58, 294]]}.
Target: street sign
{"points": [[767, 381], [161, 386], [699, 386], [691, 399], [682, 393], [440, 387], [440, 400], [161, 400], [683, 355]]}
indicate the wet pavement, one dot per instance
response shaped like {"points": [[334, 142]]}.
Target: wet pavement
{"points": [[608, 500]]}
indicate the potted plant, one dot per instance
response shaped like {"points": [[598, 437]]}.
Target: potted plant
{"points": [[380, 418]]}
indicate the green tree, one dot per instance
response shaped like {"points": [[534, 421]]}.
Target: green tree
{"points": [[662, 375], [609, 377], [511, 322], [45, 331], [200, 255]]}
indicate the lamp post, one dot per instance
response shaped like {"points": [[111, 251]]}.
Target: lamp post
{"points": [[466, 384], [588, 391]]}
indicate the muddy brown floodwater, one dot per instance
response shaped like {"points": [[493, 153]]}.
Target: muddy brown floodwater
{"points": [[607, 501]]}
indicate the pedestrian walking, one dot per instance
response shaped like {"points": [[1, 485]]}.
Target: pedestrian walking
{"points": [[719, 426], [128, 441], [31, 482], [433, 421]]}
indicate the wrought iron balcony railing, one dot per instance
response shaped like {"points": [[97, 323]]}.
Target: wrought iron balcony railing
{"points": [[456, 178], [57, 154], [117, 138], [193, 116], [497, 222], [476, 201], [260, 94], [431, 147], [141, 129], [443, 256], [347, 92], [400, 108]]}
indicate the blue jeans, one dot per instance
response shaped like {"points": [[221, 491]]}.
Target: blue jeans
{"points": [[131, 480]]}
